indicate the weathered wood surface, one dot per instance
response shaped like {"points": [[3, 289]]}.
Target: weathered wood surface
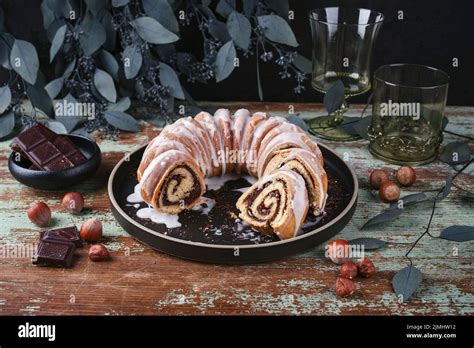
{"points": [[139, 280]]}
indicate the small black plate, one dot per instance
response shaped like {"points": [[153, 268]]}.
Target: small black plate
{"points": [[216, 237], [60, 179]]}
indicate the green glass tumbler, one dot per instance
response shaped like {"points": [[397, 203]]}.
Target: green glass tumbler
{"points": [[408, 110]]}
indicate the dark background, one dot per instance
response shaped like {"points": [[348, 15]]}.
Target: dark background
{"points": [[432, 33]]}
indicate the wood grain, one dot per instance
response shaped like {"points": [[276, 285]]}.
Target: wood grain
{"points": [[139, 280]]}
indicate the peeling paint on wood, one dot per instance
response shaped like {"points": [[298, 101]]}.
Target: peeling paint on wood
{"points": [[139, 280]]}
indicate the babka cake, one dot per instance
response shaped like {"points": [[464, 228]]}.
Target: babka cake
{"points": [[288, 163]]}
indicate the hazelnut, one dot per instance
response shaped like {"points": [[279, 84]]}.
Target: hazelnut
{"points": [[73, 202], [91, 230], [348, 270], [338, 250], [406, 176], [389, 192], [366, 268], [344, 287], [98, 252], [39, 214], [377, 178]]}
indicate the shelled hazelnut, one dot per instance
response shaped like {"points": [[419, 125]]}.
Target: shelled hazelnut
{"points": [[73, 202], [348, 270], [366, 268], [337, 250], [98, 252], [406, 176], [39, 214], [377, 178], [344, 287], [91, 230], [389, 192]]}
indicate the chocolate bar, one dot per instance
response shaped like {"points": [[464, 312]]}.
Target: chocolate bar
{"points": [[68, 234], [47, 150], [54, 253]]}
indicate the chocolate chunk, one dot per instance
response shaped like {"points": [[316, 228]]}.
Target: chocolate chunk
{"points": [[68, 234], [55, 253], [47, 150]]}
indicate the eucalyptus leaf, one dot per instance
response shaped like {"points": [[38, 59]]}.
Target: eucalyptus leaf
{"points": [[109, 63], [408, 200], [54, 87], [368, 243], [298, 121], [132, 61], [122, 121], [162, 12], [458, 233], [57, 42], [56, 127], [122, 105], [93, 35], [225, 7], [53, 28], [7, 123], [446, 188], [59, 7], [334, 97], [348, 123], [40, 99], [158, 121], [239, 29], [4, 54], [455, 153], [24, 60], [277, 30], [152, 31], [362, 127], [105, 85], [110, 33], [219, 30], [303, 64], [83, 132], [169, 78], [406, 282], [249, 7], [444, 122], [281, 7], [119, 3], [69, 122], [69, 69], [259, 82], [95, 6], [385, 216], [5, 98], [225, 61]]}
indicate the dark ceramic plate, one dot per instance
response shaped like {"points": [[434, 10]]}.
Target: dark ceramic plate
{"points": [[60, 179], [216, 237]]}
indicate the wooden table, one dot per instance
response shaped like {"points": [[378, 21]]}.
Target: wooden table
{"points": [[140, 280]]}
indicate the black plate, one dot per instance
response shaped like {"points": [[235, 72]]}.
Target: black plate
{"points": [[216, 237], [59, 179]]}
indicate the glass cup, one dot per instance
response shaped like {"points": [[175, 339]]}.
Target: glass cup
{"points": [[342, 41], [408, 111]]}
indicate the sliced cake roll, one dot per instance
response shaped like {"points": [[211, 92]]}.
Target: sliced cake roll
{"points": [[172, 182], [239, 124], [276, 204], [309, 167]]}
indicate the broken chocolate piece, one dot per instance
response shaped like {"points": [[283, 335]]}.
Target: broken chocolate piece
{"points": [[54, 253], [47, 150], [69, 234]]}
